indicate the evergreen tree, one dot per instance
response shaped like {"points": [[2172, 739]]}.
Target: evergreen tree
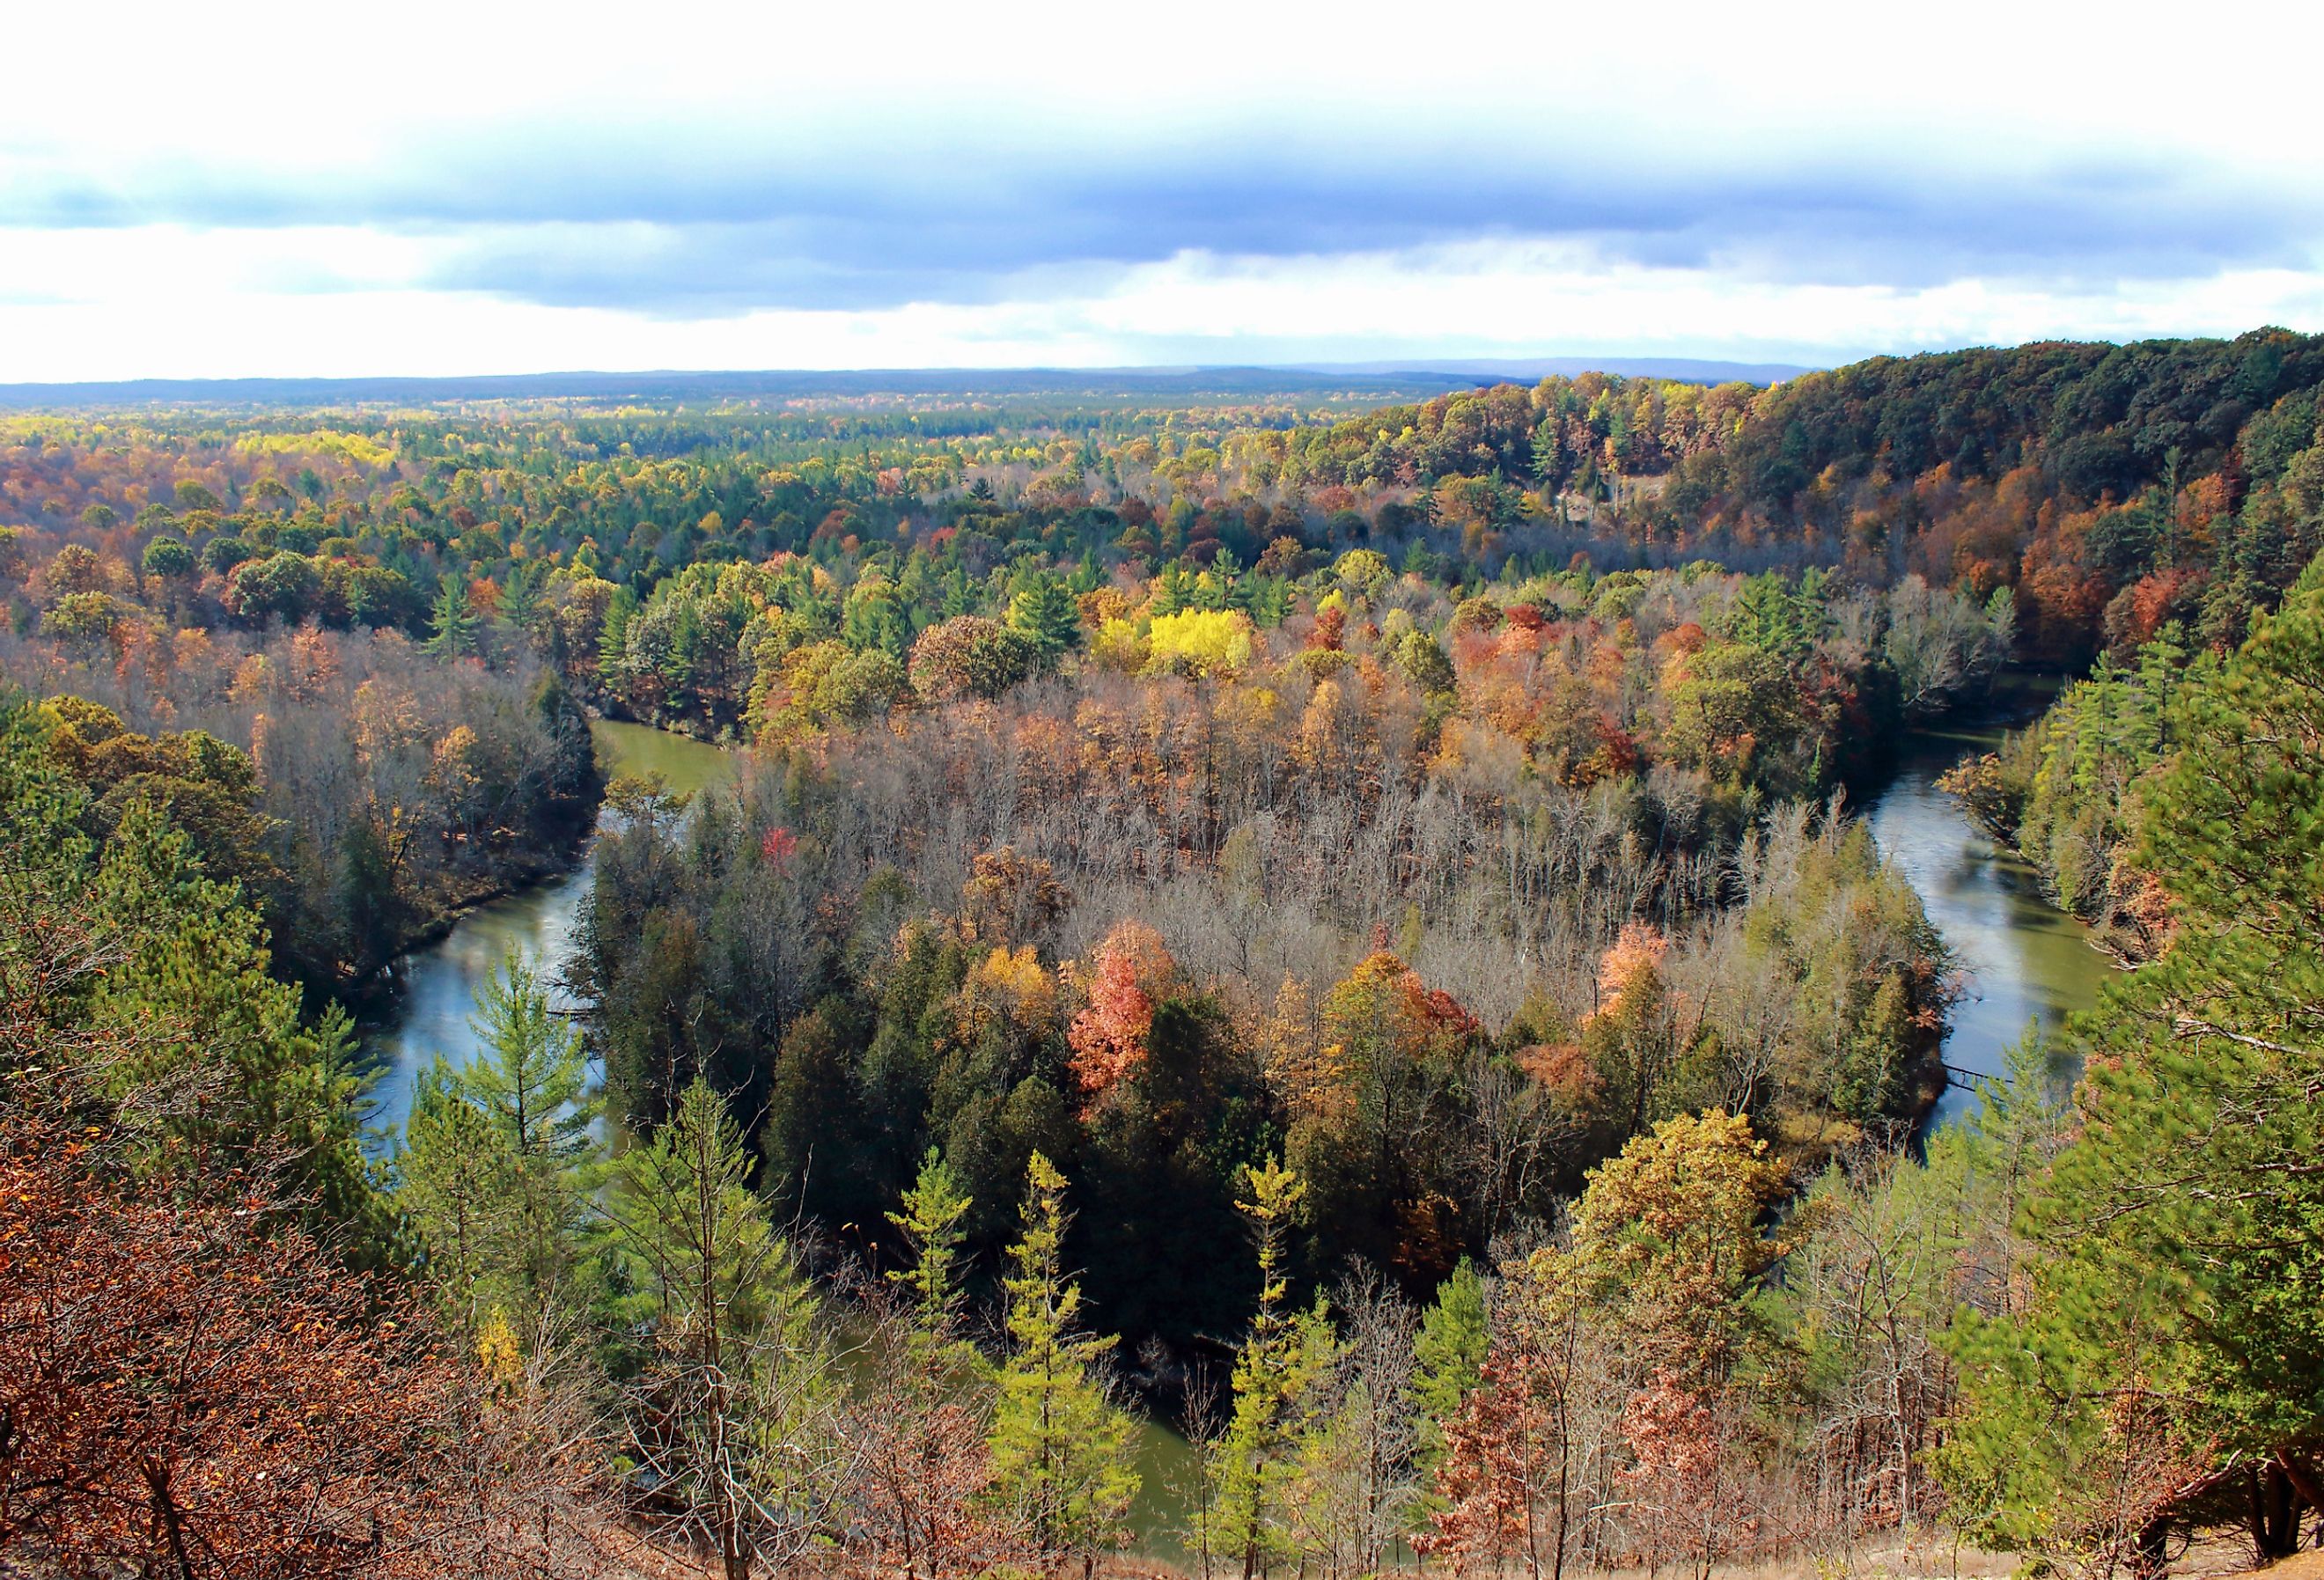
{"points": [[371, 911], [1276, 1371], [1449, 1356], [125, 943], [520, 602], [1770, 615], [494, 1170], [575, 780], [1046, 613], [1061, 1449], [613, 639], [452, 630], [454, 1177], [732, 1410], [2172, 1344], [536, 1085], [1514, 1455], [924, 1398], [931, 1224], [1549, 458]]}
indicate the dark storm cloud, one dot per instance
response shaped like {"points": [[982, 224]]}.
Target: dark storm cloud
{"points": [[689, 225]]}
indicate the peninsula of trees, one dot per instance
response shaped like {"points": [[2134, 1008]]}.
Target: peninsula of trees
{"points": [[1339, 929]]}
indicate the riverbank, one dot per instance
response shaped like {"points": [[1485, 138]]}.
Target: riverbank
{"points": [[2023, 962], [433, 996], [376, 994]]}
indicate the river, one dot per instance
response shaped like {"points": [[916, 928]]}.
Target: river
{"points": [[2022, 961], [438, 998], [438, 988]]}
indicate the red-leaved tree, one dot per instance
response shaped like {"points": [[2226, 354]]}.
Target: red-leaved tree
{"points": [[1133, 969]]}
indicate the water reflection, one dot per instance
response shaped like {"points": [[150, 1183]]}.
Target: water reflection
{"points": [[2023, 960], [688, 764], [439, 980]]}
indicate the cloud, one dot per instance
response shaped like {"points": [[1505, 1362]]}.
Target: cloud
{"points": [[689, 224], [1479, 299], [1085, 186]]}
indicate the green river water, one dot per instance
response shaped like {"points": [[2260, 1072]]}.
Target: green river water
{"points": [[438, 991], [2022, 961]]}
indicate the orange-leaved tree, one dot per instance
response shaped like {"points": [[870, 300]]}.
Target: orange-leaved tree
{"points": [[1133, 973]]}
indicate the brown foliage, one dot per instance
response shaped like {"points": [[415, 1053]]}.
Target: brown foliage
{"points": [[194, 1389], [1009, 896]]}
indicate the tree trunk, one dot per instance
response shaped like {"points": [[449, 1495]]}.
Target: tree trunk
{"points": [[2302, 1475], [166, 1507], [2276, 1510], [2147, 1558]]}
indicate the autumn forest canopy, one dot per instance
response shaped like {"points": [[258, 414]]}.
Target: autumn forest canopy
{"points": [[1341, 930]]}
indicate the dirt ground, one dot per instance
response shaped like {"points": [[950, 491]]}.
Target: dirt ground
{"points": [[2231, 1556], [2226, 1557]]}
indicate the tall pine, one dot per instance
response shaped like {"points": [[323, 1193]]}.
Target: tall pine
{"points": [[732, 1404], [1276, 1372], [2170, 1355], [495, 1168], [1061, 1448], [453, 625]]}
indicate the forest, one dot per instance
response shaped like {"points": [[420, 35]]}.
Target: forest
{"points": [[1344, 931]]}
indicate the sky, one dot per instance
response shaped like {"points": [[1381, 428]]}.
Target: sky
{"points": [[433, 188]]}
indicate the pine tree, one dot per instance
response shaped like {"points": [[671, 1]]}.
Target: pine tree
{"points": [[170, 971], [1448, 1357], [1046, 613], [521, 594], [1061, 1449], [613, 640], [371, 908], [454, 625], [494, 1170], [1513, 1450], [923, 1412], [931, 1224], [1549, 458], [2172, 1338], [454, 1179], [1281, 1359], [536, 1085], [732, 1410]]}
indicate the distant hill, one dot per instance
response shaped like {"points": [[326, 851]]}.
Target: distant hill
{"points": [[1530, 369], [1362, 381]]}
